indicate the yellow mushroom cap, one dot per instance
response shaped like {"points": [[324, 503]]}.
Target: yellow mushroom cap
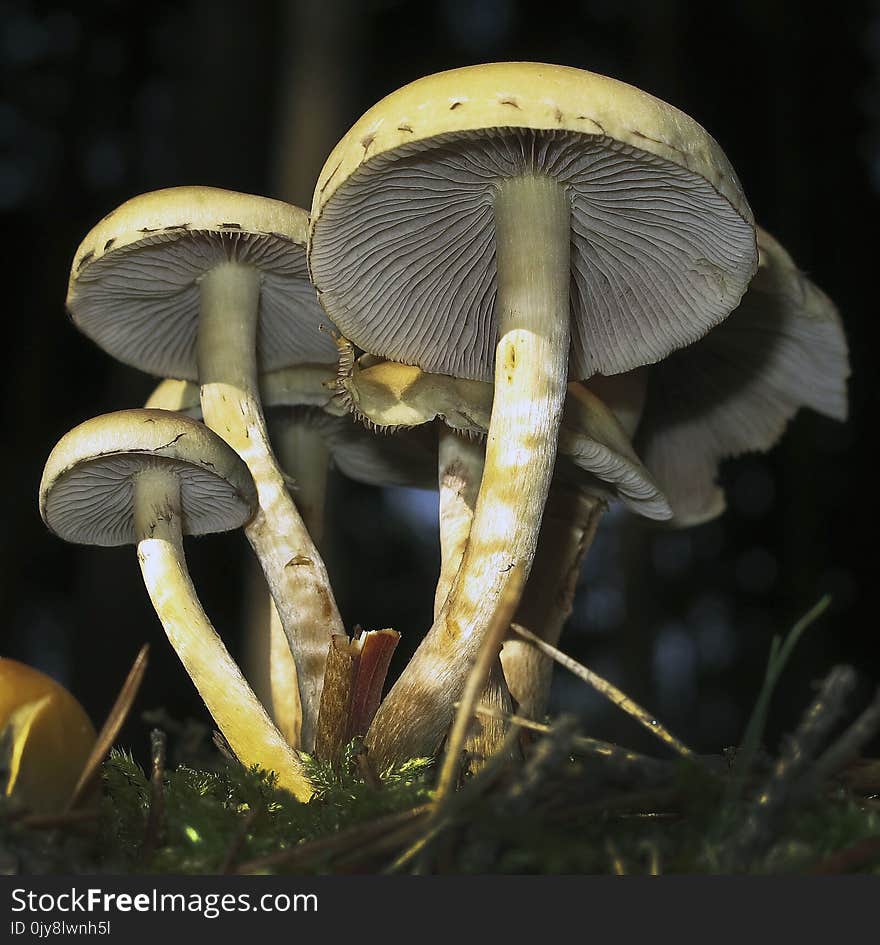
{"points": [[45, 737], [134, 283], [87, 489], [401, 245]]}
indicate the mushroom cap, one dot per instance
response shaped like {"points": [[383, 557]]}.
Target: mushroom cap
{"points": [[734, 391], [401, 244], [87, 489], [384, 394], [387, 395], [134, 283], [303, 395], [50, 735], [594, 441]]}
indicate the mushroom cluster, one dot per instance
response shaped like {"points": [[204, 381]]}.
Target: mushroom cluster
{"points": [[552, 295]]}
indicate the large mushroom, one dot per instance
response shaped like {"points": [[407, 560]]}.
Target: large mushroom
{"points": [[146, 477], [595, 464], [208, 285], [732, 392], [503, 222]]}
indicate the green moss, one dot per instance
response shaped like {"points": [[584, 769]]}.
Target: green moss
{"points": [[208, 815]]}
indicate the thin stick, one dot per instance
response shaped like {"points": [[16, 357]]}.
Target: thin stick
{"points": [[476, 681], [607, 689], [153, 829], [54, 821], [845, 749], [756, 832], [444, 808], [235, 848], [338, 843], [581, 743], [110, 728]]}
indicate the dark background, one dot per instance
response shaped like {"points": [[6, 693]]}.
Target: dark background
{"points": [[103, 100]]}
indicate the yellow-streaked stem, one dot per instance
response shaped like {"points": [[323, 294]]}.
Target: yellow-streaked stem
{"points": [[460, 469], [270, 667], [295, 573], [230, 700], [567, 531], [532, 226]]}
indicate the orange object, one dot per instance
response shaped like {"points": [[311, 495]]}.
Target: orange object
{"points": [[45, 738]]}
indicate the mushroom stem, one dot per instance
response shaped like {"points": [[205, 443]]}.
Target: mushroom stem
{"points": [[460, 468], [268, 663], [532, 224], [297, 578], [223, 689], [567, 531], [304, 457]]}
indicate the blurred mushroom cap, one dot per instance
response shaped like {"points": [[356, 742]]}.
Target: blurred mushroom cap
{"points": [[735, 391]]}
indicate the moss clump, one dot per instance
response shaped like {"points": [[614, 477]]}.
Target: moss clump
{"points": [[214, 820]]}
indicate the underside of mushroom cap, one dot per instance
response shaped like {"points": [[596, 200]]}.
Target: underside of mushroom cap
{"points": [[593, 440], [87, 489], [402, 231], [735, 391], [383, 394], [134, 284]]}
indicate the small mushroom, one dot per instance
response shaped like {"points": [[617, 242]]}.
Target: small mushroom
{"points": [[146, 477], [208, 285], [501, 222], [45, 738]]}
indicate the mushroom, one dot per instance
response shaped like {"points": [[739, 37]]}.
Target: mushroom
{"points": [[734, 391], [731, 392], [501, 222], [45, 738], [309, 430], [146, 477], [595, 463], [205, 284]]}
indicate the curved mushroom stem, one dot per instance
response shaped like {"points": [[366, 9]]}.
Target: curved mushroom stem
{"points": [[567, 531], [460, 469], [297, 578], [216, 676], [303, 456], [532, 225]]}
